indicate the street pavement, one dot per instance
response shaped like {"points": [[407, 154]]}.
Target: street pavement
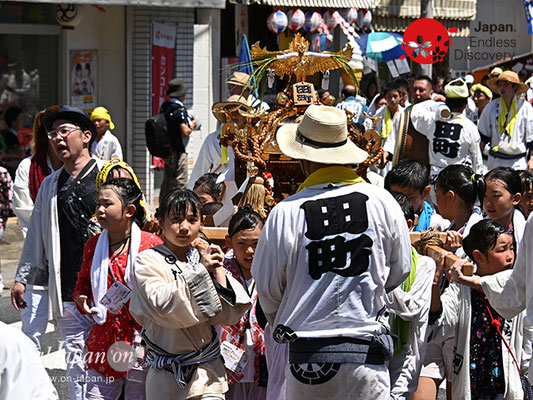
{"points": [[52, 357]]}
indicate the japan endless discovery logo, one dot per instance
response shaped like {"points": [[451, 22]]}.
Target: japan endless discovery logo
{"points": [[426, 41]]}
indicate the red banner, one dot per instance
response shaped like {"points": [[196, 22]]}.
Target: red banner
{"points": [[163, 50]]}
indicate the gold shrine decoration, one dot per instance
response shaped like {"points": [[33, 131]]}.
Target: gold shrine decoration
{"points": [[298, 60]]}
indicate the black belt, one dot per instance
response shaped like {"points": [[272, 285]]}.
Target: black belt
{"points": [[503, 156], [340, 350]]}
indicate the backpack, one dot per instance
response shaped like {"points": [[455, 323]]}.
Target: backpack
{"points": [[157, 137]]}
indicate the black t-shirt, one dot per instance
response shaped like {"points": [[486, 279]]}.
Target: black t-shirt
{"points": [[74, 213], [177, 115]]}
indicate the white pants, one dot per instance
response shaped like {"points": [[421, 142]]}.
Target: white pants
{"points": [[74, 330], [277, 357], [337, 381], [100, 387], [35, 316]]}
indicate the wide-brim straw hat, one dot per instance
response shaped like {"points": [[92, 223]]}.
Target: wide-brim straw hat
{"points": [[234, 102], [239, 79], [321, 137], [507, 76]]}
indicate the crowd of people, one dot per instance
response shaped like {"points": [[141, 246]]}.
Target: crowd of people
{"points": [[324, 298]]}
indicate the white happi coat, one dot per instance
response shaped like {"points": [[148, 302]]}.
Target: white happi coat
{"points": [[453, 141], [519, 143], [413, 307], [303, 267], [107, 148]]}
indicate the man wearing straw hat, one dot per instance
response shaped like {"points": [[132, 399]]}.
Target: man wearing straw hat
{"points": [[239, 84], [505, 124], [326, 257], [212, 157]]}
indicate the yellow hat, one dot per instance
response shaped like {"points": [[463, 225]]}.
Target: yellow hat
{"points": [[456, 89], [483, 89], [495, 72], [118, 163], [102, 113]]}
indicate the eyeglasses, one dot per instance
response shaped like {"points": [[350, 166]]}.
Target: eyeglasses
{"points": [[63, 132]]}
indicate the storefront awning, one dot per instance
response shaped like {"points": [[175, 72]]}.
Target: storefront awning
{"points": [[397, 24], [360, 4], [155, 3], [464, 10]]}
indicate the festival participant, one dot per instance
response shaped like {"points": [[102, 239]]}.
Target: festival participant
{"points": [[213, 158], [412, 178], [207, 188], [388, 115], [502, 196], [490, 350], [482, 97], [239, 83], [32, 171], [247, 378], [526, 201], [53, 249], [351, 104], [457, 189], [106, 145], [505, 124], [179, 295], [107, 266], [451, 141], [409, 304], [313, 294]]}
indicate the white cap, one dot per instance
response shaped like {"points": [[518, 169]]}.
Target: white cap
{"points": [[469, 79]]}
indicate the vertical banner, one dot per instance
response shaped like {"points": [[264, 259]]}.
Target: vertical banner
{"points": [[163, 50], [83, 79], [528, 6]]}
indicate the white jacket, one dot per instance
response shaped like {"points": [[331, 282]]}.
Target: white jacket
{"points": [[322, 294], [107, 148], [456, 319], [413, 307], [209, 158], [40, 261]]}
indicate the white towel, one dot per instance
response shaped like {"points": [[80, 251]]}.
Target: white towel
{"points": [[100, 268]]}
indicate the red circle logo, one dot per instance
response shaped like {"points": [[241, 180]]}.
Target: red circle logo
{"points": [[426, 41]]}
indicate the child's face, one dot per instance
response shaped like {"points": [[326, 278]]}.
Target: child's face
{"points": [[204, 197], [101, 125], [244, 244], [110, 210], [179, 231], [497, 259], [443, 203], [498, 202], [416, 197], [527, 201], [393, 98]]}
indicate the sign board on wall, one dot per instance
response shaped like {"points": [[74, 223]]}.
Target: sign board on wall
{"points": [[163, 51], [84, 79]]}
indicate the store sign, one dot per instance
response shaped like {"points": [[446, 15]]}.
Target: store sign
{"points": [[163, 50]]}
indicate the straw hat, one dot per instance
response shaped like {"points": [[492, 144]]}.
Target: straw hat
{"points": [[507, 76], [321, 136], [239, 79], [235, 101]]}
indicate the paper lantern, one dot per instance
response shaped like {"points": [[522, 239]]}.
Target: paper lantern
{"points": [[68, 15], [331, 18], [312, 21], [296, 19], [364, 18], [277, 22], [349, 15]]}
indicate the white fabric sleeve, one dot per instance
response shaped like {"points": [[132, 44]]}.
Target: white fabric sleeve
{"points": [[506, 290], [22, 201], [475, 150], [270, 263], [117, 149], [450, 303], [423, 117], [205, 160], [483, 125], [410, 305], [400, 254], [390, 144]]}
